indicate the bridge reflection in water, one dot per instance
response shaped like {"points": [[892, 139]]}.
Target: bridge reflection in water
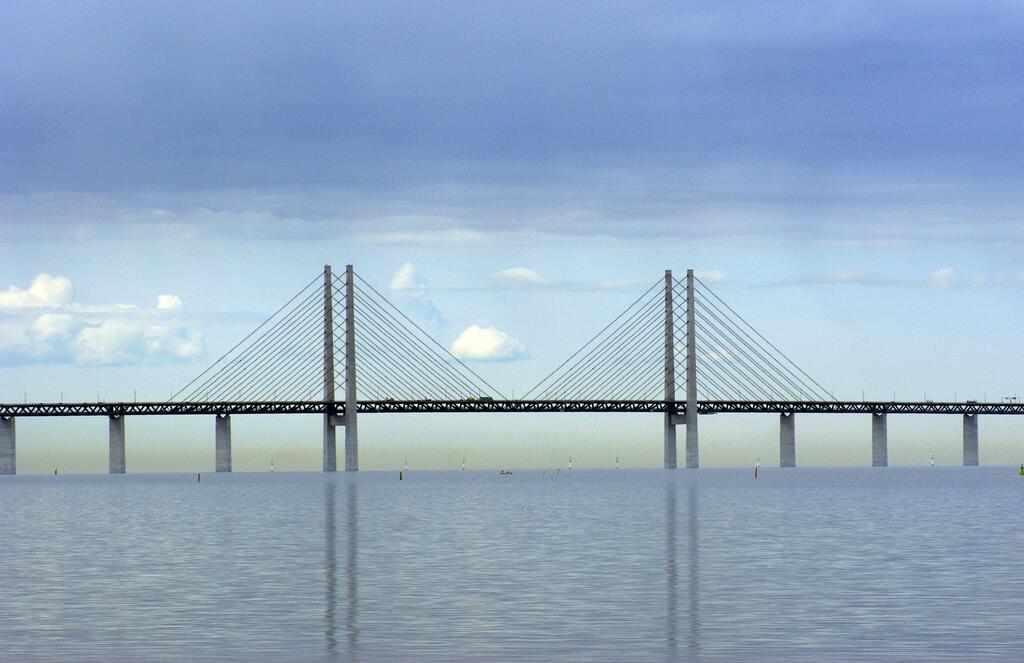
{"points": [[693, 570], [351, 567]]}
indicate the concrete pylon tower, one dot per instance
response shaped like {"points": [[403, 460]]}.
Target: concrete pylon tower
{"points": [[330, 446], [692, 452], [670, 375], [351, 436]]}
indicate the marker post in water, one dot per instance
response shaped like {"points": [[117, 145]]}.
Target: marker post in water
{"points": [[757, 466]]}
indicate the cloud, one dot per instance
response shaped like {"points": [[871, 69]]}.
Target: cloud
{"points": [[407, 284], [519, 276], [941, 276], [168, 302], [53, 327], [110, 342], [174, 341], [487, 344], [106, 335], [44, 291], [719, 354], [710, 275], [405, 280]]}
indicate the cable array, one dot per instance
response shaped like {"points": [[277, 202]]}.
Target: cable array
{"points": [[282, 359], [625, 360], [397, 359], [735, 362]]}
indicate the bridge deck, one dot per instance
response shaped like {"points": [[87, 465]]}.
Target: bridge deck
{"points": [[475, 406]]}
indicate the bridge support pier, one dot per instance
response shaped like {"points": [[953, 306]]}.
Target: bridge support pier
{"points": [[670, 442], [117, 444], [222, 440], [7, 446], [787, 440], [879, 440], [970, 439], [330, 446]]}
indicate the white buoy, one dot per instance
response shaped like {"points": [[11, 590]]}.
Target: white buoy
{"points": [[463, 463], [616, 462], [933, 459], [406, 465], [570, 462]]}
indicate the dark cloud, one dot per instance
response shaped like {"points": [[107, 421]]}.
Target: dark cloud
{"points": [[378, 98]]}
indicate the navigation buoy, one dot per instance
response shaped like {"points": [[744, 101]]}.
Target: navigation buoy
{"points": [[757, 466], [400, 475], [199, 477]]}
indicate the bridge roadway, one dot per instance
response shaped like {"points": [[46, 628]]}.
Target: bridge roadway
{"points": [[118, 409]]}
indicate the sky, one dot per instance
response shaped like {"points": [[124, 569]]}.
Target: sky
{"points": [[846, 175]]}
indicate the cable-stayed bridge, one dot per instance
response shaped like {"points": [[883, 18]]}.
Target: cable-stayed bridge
{"points": [[339, 348]]}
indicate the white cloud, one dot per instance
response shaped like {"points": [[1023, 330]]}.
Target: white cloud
{"points": [[519, 276], [487, 344], [90, 334], [177, 342], [44, 291], [110, 342], [116, 342], [941, 276], [710, 275], [51, 327], [719, 354], [405, 280], [168, 302]]}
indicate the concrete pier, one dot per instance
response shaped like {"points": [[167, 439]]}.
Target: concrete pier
{"points": [[116, 444], [970, 439], [692, 447], [670, 442], [222, 437], [879, 440], [670, 374], [8, 458], [787, 440]]}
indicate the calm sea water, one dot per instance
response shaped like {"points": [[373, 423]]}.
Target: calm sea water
{"points": [[582, 565]]}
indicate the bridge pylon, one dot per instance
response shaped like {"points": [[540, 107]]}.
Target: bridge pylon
{"points": [[347, 417], [692, 447], [672, 417]]}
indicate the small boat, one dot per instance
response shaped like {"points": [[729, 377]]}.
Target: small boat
{"points": [[504, 472]]}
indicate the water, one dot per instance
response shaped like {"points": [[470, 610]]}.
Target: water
{"points": [[582, 565]]}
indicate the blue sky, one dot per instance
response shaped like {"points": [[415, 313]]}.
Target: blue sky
{"points": [[849, 173]]}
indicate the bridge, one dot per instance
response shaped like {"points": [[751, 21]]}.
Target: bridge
{"points": [[304, 355]]}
